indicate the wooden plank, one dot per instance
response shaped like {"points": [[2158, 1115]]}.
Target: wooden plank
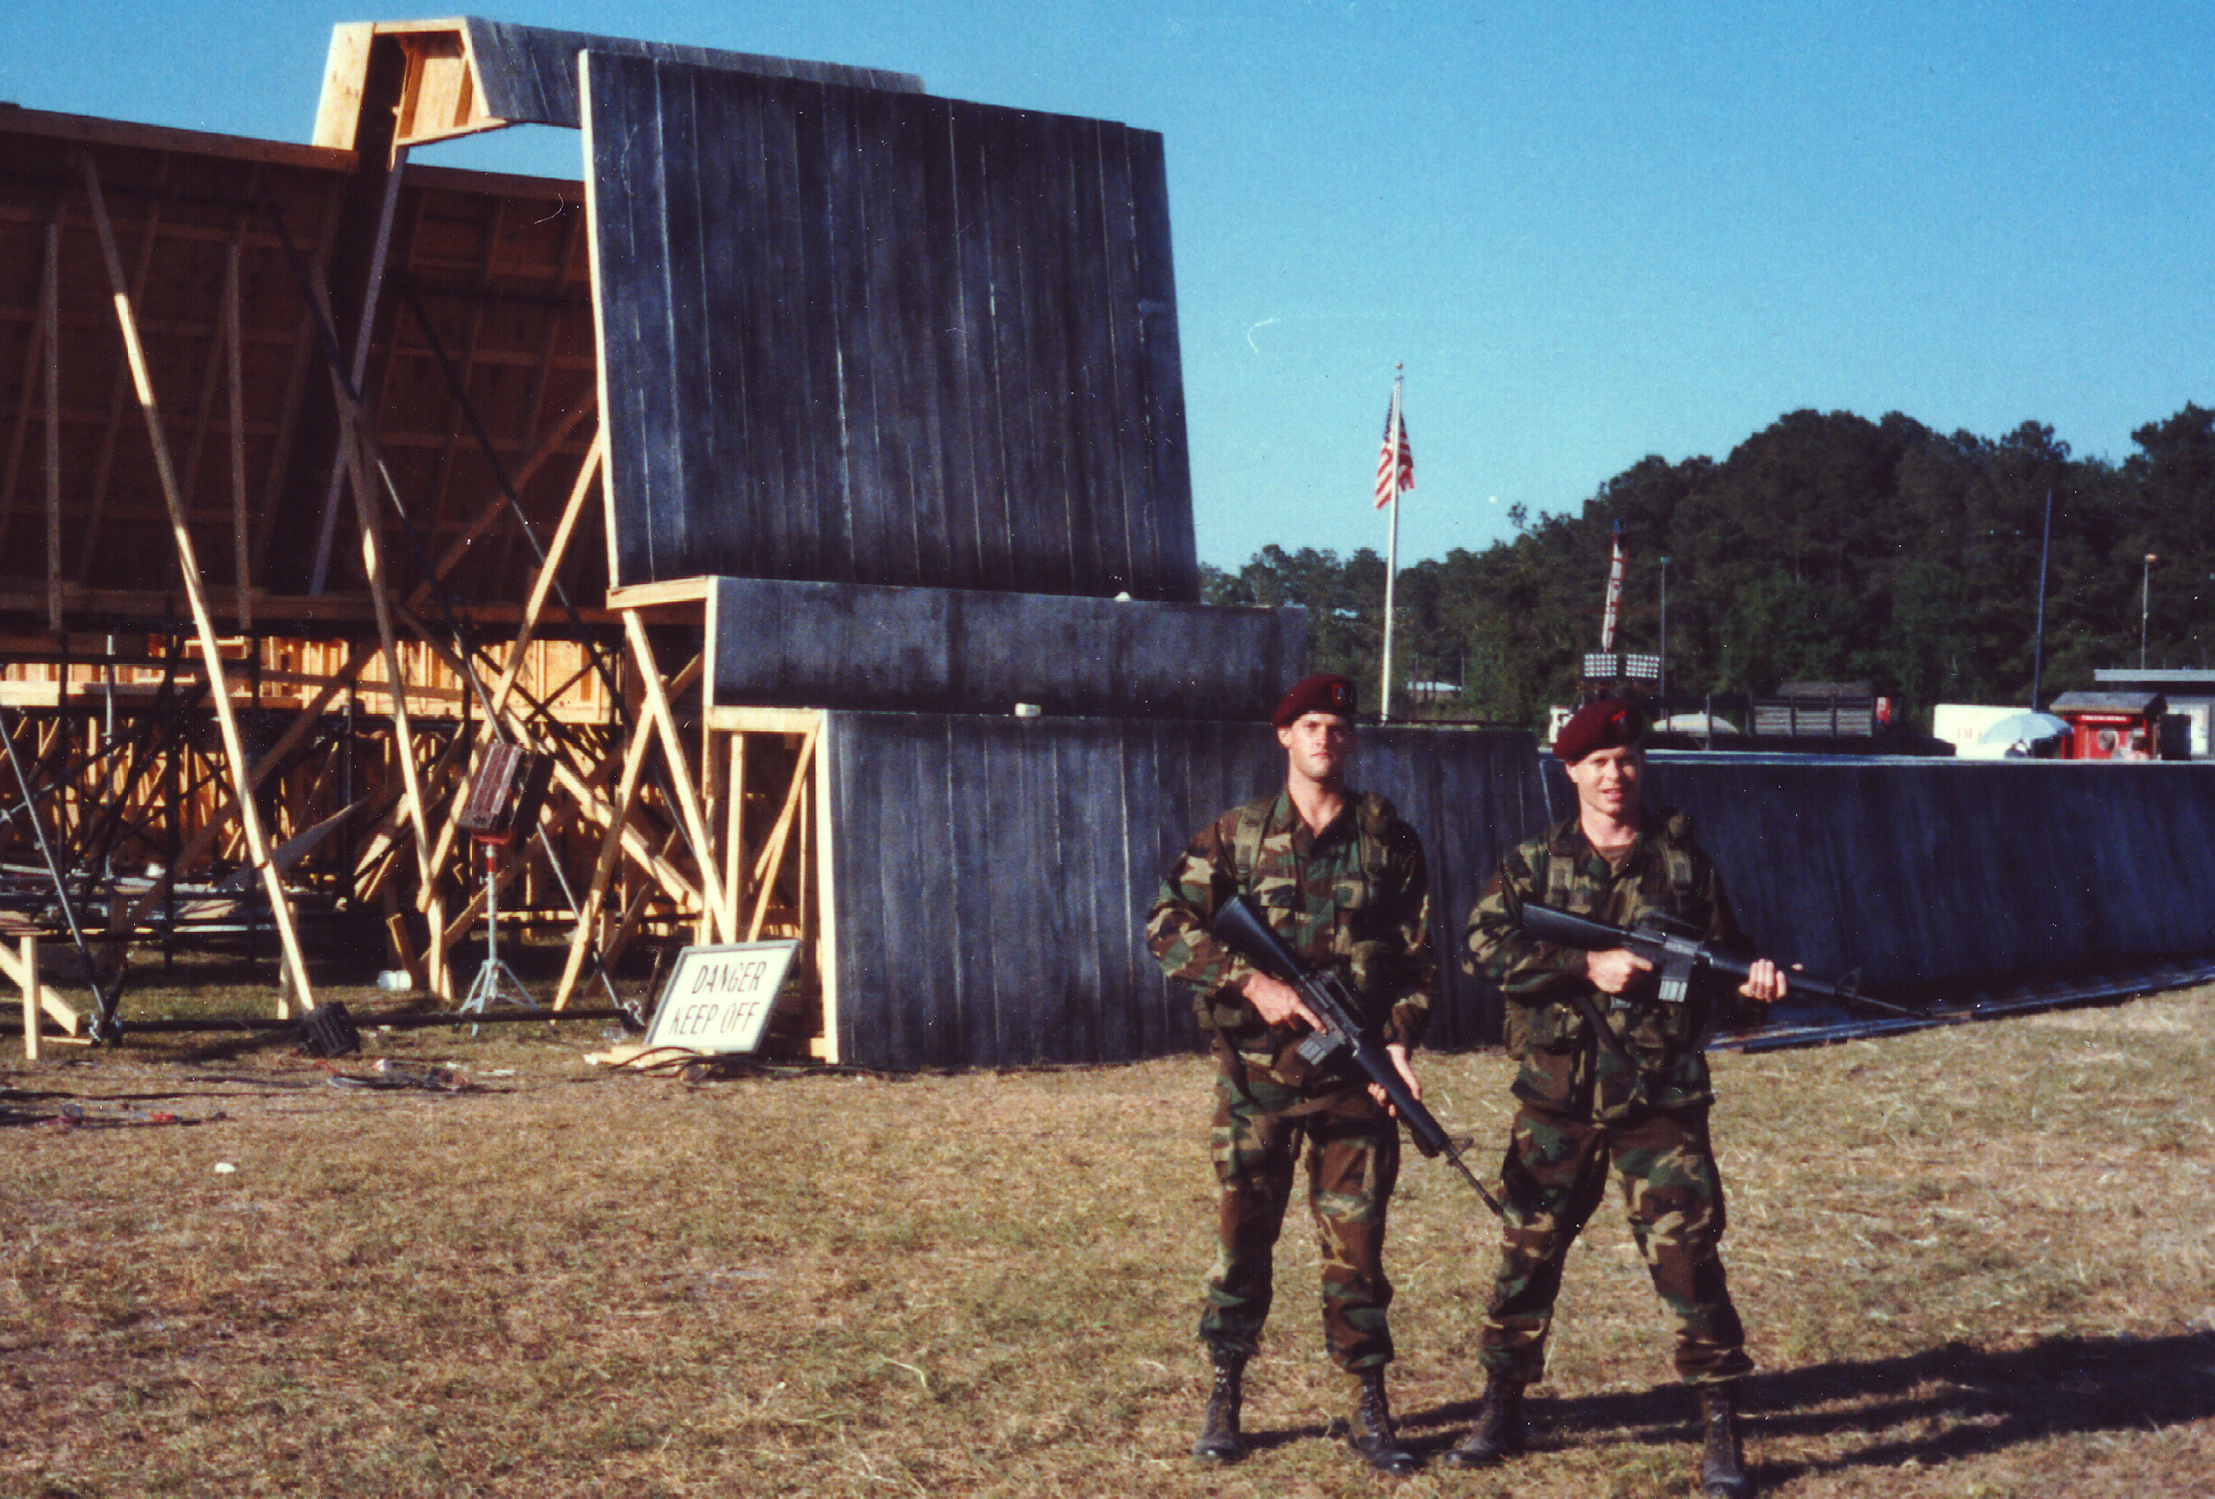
{"points": [[822, 224], [887, 452], [961, 291], [829, 864], [1169, 477], [1088, 1016], [1062, 294], [632, 299], [30, 985], [1108, 368], [708, 493], [737, 496], [872, 378], [1035, 562], [912, 252]]}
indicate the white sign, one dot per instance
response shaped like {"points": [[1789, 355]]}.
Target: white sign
{"points": [[718, 998]]}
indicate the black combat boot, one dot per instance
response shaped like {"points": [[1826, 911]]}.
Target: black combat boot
{"points": [[1371, 1434], [1723, 1464], [1499, 1431], [1219, 1439]]}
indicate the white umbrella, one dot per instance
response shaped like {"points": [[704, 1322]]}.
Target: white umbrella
{"points": [[2023, 730]]}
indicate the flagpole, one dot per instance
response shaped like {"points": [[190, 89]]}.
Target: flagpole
{"points": [[1391, 548]]}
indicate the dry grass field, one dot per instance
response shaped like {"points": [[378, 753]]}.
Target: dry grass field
{"points": [[1975, 1262]]}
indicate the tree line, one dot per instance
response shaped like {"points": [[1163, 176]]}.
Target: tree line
{"points": [[1825, 548]]}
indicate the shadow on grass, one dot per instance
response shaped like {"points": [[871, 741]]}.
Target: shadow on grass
{"points": [[1947, 1403]]}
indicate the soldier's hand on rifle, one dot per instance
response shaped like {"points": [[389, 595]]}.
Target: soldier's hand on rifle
{"points": [[1615, 970], [1765, 982], [1398, 1054], [1278, 1003]]}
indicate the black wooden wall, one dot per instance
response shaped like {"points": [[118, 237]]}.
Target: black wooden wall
{"points": [[1927, 871], [992, 875], [861, 336]]}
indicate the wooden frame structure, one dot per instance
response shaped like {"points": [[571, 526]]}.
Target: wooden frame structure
{"points": [[300, 463]]}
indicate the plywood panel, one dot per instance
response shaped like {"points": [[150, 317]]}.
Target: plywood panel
{"points": [[925, 340]]}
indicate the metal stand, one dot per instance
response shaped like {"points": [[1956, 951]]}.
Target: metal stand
{"points": [[496, 983]]}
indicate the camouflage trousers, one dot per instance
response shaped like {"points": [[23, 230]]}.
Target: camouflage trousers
{"points": [[1352, 1152], [1553, 1178]]}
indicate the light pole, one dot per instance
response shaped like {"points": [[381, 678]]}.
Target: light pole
{"points": [[1663, 685], [2145, 598]]}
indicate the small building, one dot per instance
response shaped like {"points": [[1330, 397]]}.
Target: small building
{"points": [[2112, 725], [2191, 697]]}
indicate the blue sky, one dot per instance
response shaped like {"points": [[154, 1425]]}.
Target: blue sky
{"points": [[1590, 232]]}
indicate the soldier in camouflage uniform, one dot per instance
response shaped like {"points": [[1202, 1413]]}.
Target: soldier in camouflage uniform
{"points": [[1342, 880], [1637, 1096]]}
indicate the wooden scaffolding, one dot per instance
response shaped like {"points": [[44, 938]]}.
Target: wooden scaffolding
{"points": [[301, 511]]}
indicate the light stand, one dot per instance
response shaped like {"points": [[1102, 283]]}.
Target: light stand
{"points": [[502, 807]]}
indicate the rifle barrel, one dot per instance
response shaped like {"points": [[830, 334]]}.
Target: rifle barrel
{"points": [[1567, 929]]}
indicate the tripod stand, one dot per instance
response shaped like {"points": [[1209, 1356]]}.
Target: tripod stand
{"points": [[495, 983]]}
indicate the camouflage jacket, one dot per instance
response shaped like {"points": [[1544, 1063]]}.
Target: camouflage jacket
{"points": [[1355, 897], [1564, 1067]]}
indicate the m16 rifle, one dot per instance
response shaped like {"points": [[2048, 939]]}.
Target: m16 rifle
{"points": [[1346, 1042], [1677, 952]]}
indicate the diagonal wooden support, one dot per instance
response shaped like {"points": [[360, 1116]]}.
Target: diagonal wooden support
{"points": [[544, 582], [772, 854], [280, 902], [603, 870], [680, 772]]}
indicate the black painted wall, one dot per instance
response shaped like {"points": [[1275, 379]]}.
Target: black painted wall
{"points": [[858, 336], [993, 874], [1926, 871]]}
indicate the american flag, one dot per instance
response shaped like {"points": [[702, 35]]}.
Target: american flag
{"points": [[1395, 460]]}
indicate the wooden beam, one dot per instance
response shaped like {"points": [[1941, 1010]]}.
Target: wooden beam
{"points": [[242, 563], [280, 903], [826, 906], [603, 869], [53, 320], [30, 997]]}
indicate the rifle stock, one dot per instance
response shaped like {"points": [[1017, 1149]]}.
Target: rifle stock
{"points": [[1346, 1038]]}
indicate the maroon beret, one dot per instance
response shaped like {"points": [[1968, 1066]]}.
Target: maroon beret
{"points": [[1610, 722], [1321, 693]]}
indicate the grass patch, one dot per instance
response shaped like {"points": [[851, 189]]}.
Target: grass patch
{"points": [[1974, 1261]]}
